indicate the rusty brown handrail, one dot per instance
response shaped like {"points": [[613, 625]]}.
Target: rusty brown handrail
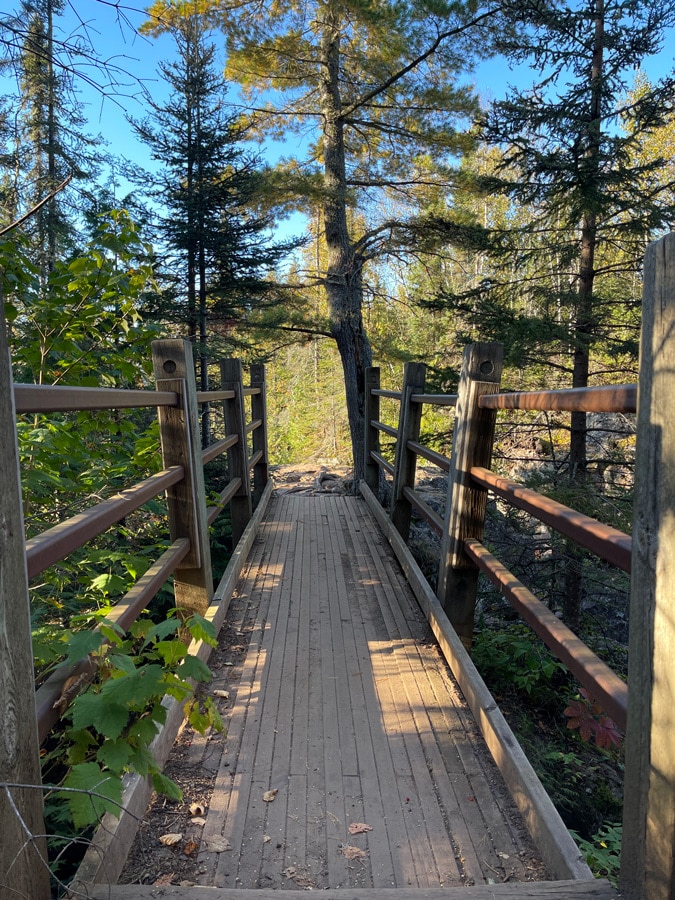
{"points": [[44, 398], [606, 542], [435, 399], [427, 513], [381, 392], [387, 429], [224, 498], [57, 542], [124, 613], [214, 396], [430, 455], [382, 462], [214, 450], [603, 684], [609, 398]]}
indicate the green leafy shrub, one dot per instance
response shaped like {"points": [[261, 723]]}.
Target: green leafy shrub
{"points": [[603, 851]]}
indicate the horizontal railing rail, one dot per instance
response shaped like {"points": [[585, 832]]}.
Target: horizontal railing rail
{"points": [[183, 484], [470, 478]]}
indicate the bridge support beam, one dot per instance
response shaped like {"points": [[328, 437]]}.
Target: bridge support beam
{"points": [[23, 849], [410, 418], [466, 502], [648, 847], [181, 446]]}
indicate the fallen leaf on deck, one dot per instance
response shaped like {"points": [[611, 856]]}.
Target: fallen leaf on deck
{"points": [[266, 838], [224, 694], [359, 828], [350, 852], [190, 848], [503, 855], [289, 872], [228, 664], [197, 809], [198, 821], [163, 880], [171, 839], [269, 796], [304, 881], [219, 844]]}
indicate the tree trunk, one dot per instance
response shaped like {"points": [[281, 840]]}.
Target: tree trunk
{"points": [[343, 281], [584, 315]]}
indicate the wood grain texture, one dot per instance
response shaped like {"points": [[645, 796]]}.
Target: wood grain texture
{"points": [[372, 441], [180, 438], [237, 456], [336, 712], [648, 860], [466, 503], [259, 411], [405, 464], [553, 840], [544, 890], [23, 869]]}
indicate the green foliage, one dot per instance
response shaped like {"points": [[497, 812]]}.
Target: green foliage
{"points": [[603, 851], [113, 722], [516, 658]]}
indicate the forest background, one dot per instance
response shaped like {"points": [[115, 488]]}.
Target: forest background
{"points": [[433, 218]]}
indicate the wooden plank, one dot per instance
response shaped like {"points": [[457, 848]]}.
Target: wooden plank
{"points": [[559, 852], [186, 501], [372, 442], [648, 862], [237, 456], [465, 504], [23, 855], [476, 799], [259, 411], [543, 890], [410, 417]]}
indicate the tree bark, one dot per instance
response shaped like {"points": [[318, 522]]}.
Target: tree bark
{"points": [[343, 280]]}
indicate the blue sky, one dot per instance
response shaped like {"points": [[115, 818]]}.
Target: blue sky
{"points": [[112, 33]]}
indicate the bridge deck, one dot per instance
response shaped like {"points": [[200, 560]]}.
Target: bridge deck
{"points": [[336, 697], [344, 706]]}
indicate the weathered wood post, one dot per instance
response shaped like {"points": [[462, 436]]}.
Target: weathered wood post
{"points": [[372, 441], [235, 423], [186, 501], [259, 411], [23, 858], [466, 503], [410, 417], [648, 845]]}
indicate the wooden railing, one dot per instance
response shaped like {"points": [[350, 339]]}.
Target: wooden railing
{"points": [[187, 559], [462, 555], [648, 865]]}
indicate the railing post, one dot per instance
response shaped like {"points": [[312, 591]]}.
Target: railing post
{"points": [[648, 843], [259, 411], [23, 858], [180, 436], [372, 441], [465, 505], [410, 417], [235, 423]]}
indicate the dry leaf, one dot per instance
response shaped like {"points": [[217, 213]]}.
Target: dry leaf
{"points": [[71, 688], [224, 694], [198, 821], [219, 844], [350, 852], [359, 828], [503, 855], [171, 839], [304, 881], [228, 664], [289, 872], [163, 880], [269, 796], [197, 809], [266, 838], [190, 848]]}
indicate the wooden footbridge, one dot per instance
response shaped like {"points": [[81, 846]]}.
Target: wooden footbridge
{"points": [[363, 755]]}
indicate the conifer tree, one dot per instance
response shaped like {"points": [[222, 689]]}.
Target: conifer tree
{"points": [[376, 85], [216, 251]]}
